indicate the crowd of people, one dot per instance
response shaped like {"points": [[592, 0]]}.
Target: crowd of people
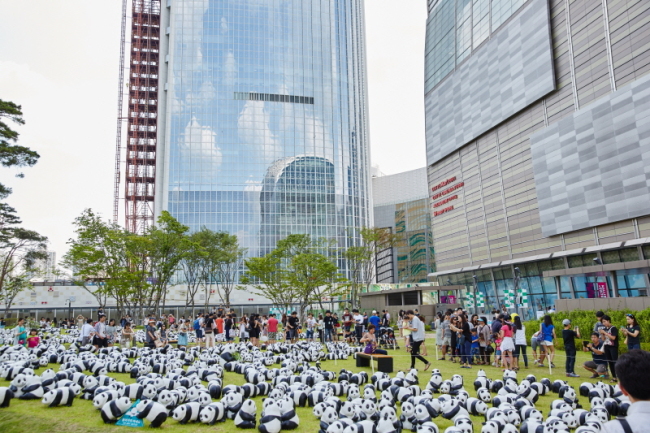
{"points": [[460, 337]]}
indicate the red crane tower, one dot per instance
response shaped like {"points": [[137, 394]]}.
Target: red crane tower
{"points": [[141, 114]]}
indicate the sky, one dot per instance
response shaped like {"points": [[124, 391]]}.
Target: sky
{"points": [[59, 60]]}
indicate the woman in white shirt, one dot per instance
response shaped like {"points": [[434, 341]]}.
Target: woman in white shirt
{"points": [[520, 342]]}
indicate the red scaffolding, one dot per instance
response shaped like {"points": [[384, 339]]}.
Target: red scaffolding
{"points": [[142, 114]]}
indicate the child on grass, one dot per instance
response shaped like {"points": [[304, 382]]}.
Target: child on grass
{"points": [[32, 339], [497, 353], [476, 353], [568, 336]]}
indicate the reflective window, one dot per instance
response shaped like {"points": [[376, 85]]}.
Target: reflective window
{"points": [[266, 120], [455, 28]]}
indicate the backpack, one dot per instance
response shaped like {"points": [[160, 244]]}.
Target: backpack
{"points": [[196, 325]]}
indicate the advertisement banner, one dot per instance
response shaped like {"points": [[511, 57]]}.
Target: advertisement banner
{"points": [[602, 290], [591, 292]]}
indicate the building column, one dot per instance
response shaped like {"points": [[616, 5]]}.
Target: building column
{"points": [[558, 287], [614, 284]]}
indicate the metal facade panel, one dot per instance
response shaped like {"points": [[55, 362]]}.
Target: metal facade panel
{"points": [[511, 71], [593, 167]]}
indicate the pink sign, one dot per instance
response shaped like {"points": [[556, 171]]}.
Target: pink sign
{"points": [[602, 290], [448, 299]]}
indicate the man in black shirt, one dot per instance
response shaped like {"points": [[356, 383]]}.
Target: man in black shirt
{"points": [[292, 325], [328, 321], [598, 364], [609, 334]]}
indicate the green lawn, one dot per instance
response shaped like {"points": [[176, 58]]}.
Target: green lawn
{"points": [[34, 417]]}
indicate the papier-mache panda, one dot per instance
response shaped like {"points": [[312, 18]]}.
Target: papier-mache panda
{"points": [[59, 397], [114, 409], [153, 412], [213, 413], [245, 418]]}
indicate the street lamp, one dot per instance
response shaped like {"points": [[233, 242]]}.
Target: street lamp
{"points": [[475, 278], [516, 281], [69, 301]]}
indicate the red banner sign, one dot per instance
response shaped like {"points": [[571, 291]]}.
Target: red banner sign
{"points": [[445, 210], [444, 183], [448, 190], [447, 200]]}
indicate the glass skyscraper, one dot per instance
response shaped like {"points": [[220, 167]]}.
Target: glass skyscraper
{"points": [[263, 121]]}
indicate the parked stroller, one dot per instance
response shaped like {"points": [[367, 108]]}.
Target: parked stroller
{"points": [[387, 339]]}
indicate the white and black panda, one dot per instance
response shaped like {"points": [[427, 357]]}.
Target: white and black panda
{"points": [[153, 412], [453, 410], [289, 418], [114, 409], [32, 392], [104, 397], [246, 417], [270, 422], [5, 396], [464, 425], [408, 419], [428, 427], [299, 397], [133, 391], [233, 402], [188, 412], [475, 406], [213, 413], [58, 397]]}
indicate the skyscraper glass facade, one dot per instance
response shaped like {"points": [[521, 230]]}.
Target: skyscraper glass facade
{"points": [[265, 130], [457, 27]]}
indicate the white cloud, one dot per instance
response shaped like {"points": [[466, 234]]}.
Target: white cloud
{"points": [[199, 147], [255, 130]]}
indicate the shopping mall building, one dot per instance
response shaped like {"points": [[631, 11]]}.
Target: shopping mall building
{"points": [[538, 146]]}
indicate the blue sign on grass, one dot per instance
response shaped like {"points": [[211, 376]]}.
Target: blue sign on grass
{"points": [[130, 419]]}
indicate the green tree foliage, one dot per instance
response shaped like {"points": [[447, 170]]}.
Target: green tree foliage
{"points": [[11, 154], [362, 259], [298, 271], [585, 320]]}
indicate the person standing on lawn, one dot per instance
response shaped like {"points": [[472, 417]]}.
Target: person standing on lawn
{"points": [[417, 336], [609, 334], [548, 331], [568, 336], [328, 322], [633, 371], [632, 332], [273, 328], [520, 341], [599, 323], [598, 364]]}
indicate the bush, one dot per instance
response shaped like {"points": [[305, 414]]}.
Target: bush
{"points": [[585, 320]]}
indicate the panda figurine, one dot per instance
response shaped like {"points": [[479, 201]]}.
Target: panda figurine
{"points": [[188, 412], [152, 411], [114, 409], [133, 391], [271, 419], [58, 397], [6, 395], [213, 413], [245, 418], [428, 427]]}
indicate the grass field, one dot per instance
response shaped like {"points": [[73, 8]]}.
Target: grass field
{"points": [[34, 417]]}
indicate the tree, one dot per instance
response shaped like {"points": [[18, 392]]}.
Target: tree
{"points": [[99, 260], [11, 154], [298, 271], [225, 258], [362, 258], [193, 266], [168, 245], [19, 250]]}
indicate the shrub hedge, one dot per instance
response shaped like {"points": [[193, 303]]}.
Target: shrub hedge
{"points": [[585, 320]]}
